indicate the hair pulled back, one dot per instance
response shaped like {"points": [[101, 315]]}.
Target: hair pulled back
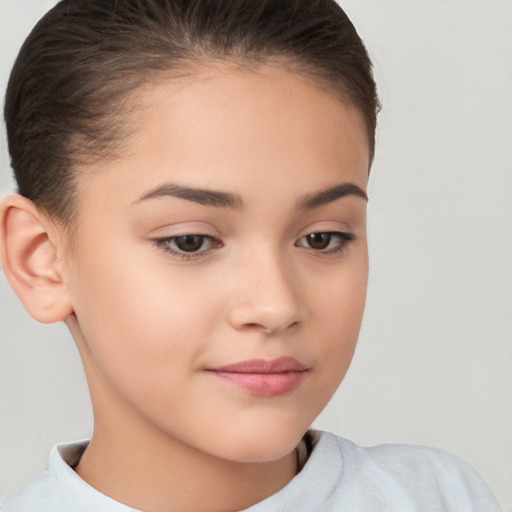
{"points": [[66, 101]]}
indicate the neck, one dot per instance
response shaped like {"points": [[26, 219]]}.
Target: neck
{"points": [[166, 475], [148, 469]]}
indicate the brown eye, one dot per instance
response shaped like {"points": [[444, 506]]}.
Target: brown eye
{"points": [[187, 247], [318, 241], [326, 242], [190, 243]]}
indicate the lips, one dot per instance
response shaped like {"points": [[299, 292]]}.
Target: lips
{"points": [[263, 377]]}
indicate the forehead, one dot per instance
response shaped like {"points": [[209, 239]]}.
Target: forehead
{"points": [[238, 129]]}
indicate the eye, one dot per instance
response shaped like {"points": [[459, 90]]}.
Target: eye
{"points": [[329, 242], [189, 243], [187, 246]]}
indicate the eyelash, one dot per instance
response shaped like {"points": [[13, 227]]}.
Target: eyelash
{"points": [[343, 238], [166, 244]]}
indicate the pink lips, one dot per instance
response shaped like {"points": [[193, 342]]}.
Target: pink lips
{"points": [[262, 377]]}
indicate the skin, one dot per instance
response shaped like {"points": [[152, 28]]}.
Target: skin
{"points": [[168, 434]]}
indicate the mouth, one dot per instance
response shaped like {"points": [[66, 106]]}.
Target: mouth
{"points": [[263, 377]]}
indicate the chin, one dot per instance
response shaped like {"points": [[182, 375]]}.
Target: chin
{"points": [[267, 445]]}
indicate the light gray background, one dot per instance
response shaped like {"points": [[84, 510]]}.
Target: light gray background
{"points": [[434, 364]]}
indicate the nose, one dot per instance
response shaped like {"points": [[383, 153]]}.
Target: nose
{"points": [[268, 297]]}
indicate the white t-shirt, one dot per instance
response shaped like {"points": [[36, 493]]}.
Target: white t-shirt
{"points": [[339, 476]]}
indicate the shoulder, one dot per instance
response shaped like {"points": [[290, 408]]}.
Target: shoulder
{"points": [[60, 489], [416, 477], [41, 493]]}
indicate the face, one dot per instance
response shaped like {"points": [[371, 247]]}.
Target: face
{"points": [[220, 267]]}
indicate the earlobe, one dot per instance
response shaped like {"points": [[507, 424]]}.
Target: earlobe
{"points": [[30, 260]]}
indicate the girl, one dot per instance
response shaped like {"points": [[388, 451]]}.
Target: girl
{"points": [[192, 203]]}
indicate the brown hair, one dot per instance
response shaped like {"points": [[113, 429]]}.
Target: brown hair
{"points": [[65, 102]]}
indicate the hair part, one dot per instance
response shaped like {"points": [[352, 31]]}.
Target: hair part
{"points": [[68, 99]]}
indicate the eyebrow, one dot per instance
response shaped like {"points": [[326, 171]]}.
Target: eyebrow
{"points": [[220, 199], [197, 195], [330, 194]]}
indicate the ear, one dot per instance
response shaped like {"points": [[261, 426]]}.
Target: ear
{"points": [[30, 260]]}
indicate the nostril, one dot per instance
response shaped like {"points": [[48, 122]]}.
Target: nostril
{"points": [[269, 315], [293, 326], [252, 326]]}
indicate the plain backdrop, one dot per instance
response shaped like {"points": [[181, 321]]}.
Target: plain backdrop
{"points": [[434, 363]]}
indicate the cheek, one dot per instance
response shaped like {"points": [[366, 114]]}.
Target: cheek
{"points": [[135, 317], [339, 296], [339, 308]]}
